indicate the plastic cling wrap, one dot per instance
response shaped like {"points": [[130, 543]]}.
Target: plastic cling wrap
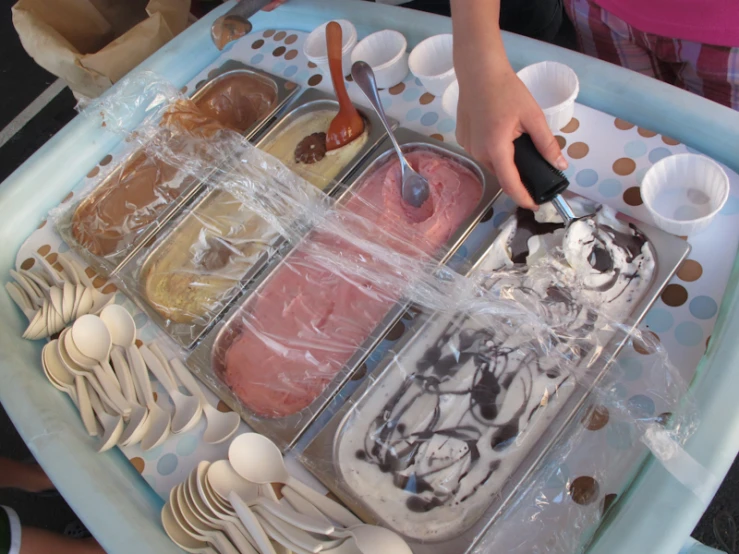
{"points": [[461, 433]]}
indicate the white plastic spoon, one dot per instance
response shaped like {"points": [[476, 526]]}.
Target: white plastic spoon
{"points": [[58, 375], [202, 509], [122, 330], [21, 299], [54, 276], [123, 374], [159, 419], [252, 524], [69, 272], [225, 480], [31, 290], [68, 296], [257, 459], [85, 304], [295, 535], [280, 538], [112, 424], [86, 413], [90, 331], [187, 409], [371, 539], [180, 536], [220, 426], [213, 537]]}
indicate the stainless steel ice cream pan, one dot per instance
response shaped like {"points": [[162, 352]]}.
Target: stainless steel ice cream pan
{"points": [[206, 360], [112, 263], [284, 91], [321, 455], [186, 331]]}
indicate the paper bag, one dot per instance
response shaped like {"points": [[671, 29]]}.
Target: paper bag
{"points": [[94, 43]]}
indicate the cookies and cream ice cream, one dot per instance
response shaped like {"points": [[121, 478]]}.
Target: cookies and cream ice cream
{"points": [[458, 409], [307, 321]]}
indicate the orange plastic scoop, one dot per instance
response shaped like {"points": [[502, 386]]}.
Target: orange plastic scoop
{"points": [[348, 124]]}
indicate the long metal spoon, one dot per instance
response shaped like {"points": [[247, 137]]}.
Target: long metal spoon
{"points": [[415, 188]]}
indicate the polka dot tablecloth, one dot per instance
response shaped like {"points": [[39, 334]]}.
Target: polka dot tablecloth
{"points": [[608, 158]]}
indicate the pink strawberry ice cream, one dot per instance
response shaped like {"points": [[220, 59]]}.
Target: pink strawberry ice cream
{"points": [[308, 320]]}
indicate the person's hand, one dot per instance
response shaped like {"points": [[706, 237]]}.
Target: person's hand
{"points": [[272, 5], [494, 109]]}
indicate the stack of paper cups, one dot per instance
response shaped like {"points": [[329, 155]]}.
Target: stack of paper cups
{"points": [[432, 61], [683, 193], [385, 52], [316, 51], [554, 86]]}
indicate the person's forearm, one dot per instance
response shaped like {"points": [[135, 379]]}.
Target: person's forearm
{"points": [[477, 33]]}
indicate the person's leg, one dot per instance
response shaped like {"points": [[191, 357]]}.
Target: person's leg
{"points": [[28, 477], [602, 35], [40, 541], [709, 71]]}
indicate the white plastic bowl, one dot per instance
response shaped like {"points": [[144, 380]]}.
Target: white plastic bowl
{"points": [[385, 52], [554, 86], [684, 192], [432, 61], [450, 99], [316, 51]]}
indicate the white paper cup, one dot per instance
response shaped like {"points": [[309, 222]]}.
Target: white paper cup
{"points": [[385, 52], [316, 51], [554, 86], [684, 192], [432, 62], [450, 99]]}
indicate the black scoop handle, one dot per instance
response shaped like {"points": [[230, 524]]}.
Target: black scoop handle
{"points": [[542, 180]]}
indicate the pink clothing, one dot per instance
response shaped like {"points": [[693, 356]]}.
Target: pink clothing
{"points": [[713, 22]]}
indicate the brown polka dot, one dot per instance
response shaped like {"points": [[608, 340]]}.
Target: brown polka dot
{"points": [[669, 140], [44, 250], [608, 501], [311, 65], [99, 281], [107, 159], [584, 490], [572, 126], [674, 295], [314, 80], [51, 258], [623, 124], [646, 133], [28, 263], [90, 272], [139, 343], [397, 89], [708, 341], [697, 196], [280, 35], [109, 289], [350, 79], [139, 464], [578, 150], [690, 271], [360, 373], [561, 141], [183, 90], [487, 215], [290, 85], [291, 54], [682, 237], [277, 487], [213, 73], [397, 331], [438, 137], [647, 343], [58, 267], [663, 418], [291, 39], [156, 396], [257, 44], [67, 198], [632, 196], [624, 166], [200, 84], [40, 225], [596, 418], [268, 33], [223, 407], [279, 51], [426, 98]]}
